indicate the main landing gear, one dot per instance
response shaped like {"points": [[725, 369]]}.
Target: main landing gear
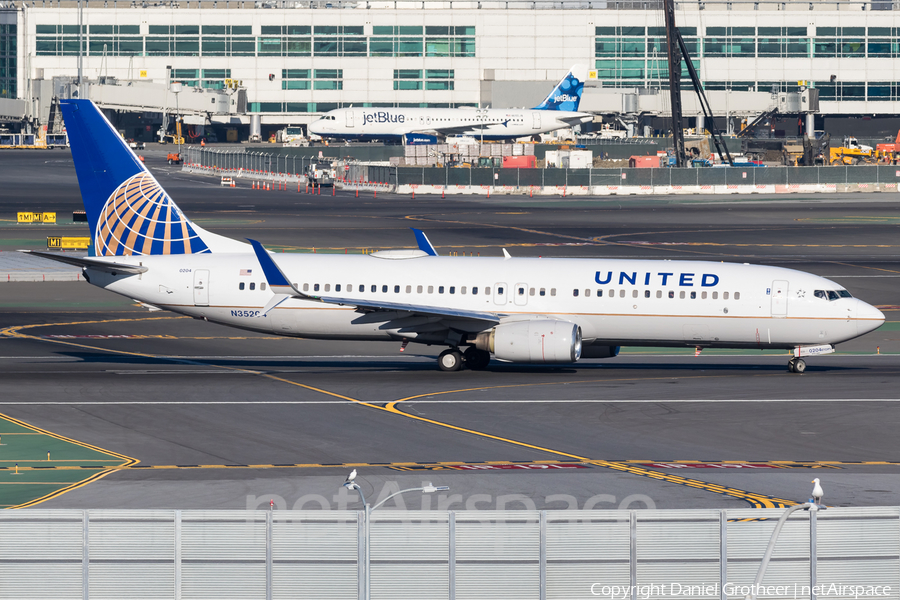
{"points": [[453, 360], [796, 365]]}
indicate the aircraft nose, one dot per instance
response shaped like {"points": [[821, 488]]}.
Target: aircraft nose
{"points": [[868, 318]]}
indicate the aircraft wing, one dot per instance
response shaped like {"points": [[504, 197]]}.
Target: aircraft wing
{"points": [[469, 128], [396, 315], [375, 306], [90, 263], [575, 118]]}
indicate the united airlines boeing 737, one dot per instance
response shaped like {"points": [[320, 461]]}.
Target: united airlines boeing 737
{"points": [[559, 110], [527, 310]]}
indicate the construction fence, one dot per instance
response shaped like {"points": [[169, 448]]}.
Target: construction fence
{"points": [[550, 181], [839, 553], [632, 181]]}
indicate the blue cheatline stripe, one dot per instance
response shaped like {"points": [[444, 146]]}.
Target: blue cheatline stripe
{"points": [[270, 269], [423, 242]]}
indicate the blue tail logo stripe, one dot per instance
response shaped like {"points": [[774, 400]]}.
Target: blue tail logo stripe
{"points": [[139, 218]]}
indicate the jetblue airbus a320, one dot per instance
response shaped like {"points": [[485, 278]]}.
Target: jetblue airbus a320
{"points": [[526, 310], [558, 111]]}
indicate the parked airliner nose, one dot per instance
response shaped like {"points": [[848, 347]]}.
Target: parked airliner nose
{"points": [[868, 317]]}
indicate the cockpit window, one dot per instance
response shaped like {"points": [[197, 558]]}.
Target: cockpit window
{"points": [[832, 295]]}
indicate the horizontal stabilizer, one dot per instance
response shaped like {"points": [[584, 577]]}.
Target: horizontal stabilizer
{"points": [[90, 263]]}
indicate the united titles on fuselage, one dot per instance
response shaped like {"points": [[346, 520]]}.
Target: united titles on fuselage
{"points": [[679, 279]]}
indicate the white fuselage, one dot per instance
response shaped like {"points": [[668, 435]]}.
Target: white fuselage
{"points": [[490, 123], [615, 302]]}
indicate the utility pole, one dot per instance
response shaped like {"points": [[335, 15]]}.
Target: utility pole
{"points": [[673, 53]]}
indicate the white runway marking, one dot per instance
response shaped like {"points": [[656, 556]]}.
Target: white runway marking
{"points": [[580, 401]]}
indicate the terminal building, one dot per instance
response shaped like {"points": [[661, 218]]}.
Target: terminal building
{"points": [[296, 60]]}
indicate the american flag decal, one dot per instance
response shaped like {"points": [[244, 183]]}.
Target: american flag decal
{"points": [[246, 272]]}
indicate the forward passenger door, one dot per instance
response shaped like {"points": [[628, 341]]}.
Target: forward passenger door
{"points": [[779, 298]]}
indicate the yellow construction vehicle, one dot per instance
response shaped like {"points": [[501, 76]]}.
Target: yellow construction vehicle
{"points": [[174, 158], [852, 152]]}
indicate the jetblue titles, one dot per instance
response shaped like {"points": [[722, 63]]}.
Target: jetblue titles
{"points": [[383, 117], [679, 279]]}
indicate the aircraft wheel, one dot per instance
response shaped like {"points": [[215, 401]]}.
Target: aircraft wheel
{"points": [[476, 359], [450, 360]]}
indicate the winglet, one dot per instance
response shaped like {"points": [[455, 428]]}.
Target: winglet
{"points": [[506, 254], [277, 280], [424, 245]]}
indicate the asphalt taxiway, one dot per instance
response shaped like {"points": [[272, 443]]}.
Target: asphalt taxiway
{"points": [[220, 418]]}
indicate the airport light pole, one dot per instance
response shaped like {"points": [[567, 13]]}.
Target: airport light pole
{"points": [[352, 485], [813, 509]]}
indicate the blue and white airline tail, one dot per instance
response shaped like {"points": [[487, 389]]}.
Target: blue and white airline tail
{"points": [[566, 96], [128, 211]]}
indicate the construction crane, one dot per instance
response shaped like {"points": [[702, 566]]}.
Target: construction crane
{"points": [[676, 49]]}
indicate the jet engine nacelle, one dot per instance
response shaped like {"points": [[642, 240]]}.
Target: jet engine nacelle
{"points": [[538, 341]]}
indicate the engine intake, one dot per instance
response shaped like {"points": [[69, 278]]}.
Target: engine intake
{"points": [[537, 341]]}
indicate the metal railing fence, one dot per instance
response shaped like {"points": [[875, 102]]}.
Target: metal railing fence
{"points": [[538, 555], [263, 165]]}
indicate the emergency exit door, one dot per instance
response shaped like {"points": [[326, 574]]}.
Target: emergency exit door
{"points": [[201, 287], [500, 293], [520, 294], [535, 120], [349, 118], [779, 298]]}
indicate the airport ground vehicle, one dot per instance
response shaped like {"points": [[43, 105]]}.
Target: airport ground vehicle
{"points": [[888, 152], [851, 152], [320, 174], [174, 158]]}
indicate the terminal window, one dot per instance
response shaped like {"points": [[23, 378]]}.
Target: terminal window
{"points": [[328, 79], [8, 70], [407, 79], [295, 79]]}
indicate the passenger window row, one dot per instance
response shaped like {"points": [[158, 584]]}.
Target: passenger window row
{"points": [[385, 289], [252, 286], [659, 294]]}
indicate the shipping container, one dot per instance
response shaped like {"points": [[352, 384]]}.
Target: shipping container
{"points": [[519, 162], [644, 162]]}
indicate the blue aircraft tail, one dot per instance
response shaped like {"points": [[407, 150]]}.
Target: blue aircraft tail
{"points": [[128, 211], [566, 96]]}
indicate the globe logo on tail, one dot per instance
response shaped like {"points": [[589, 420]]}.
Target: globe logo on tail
{"points": [[140, 219]]}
